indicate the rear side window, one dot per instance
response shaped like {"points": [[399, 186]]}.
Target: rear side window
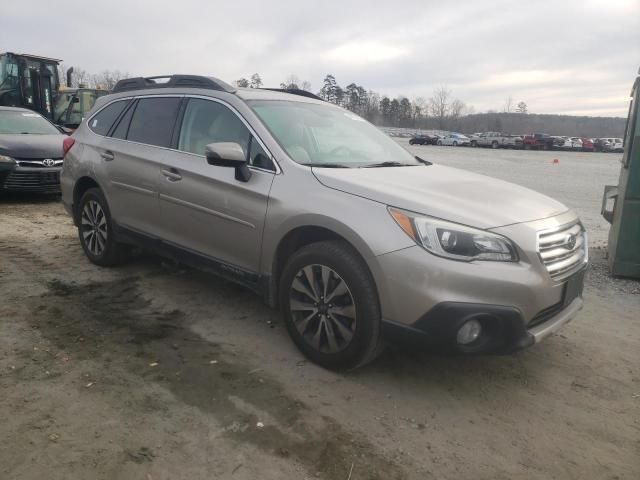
{"points": [[153, 121], [101, 123]]}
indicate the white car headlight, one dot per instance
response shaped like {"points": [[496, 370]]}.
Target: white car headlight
{"points": [[5, 159], [457, 242]]}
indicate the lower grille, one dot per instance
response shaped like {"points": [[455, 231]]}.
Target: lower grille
{"points": [[545, 315], [563, 250], [33, 181]]}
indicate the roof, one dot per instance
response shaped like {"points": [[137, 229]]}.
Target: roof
{"points": [[266, 94], [47, 59]]}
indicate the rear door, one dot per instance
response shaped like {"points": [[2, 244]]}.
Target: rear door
{"points": [[204, 208], [132, 156]]}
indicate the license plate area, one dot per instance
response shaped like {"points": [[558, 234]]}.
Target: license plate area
{"points": [[573, 288]]}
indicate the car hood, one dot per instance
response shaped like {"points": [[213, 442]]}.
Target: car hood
{"points": [[444, 192], [32, 146]]}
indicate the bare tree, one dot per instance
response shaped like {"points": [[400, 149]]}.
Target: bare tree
{"points": [[508, 104], [242, 83], [521, 107], [439, 105], [108, 79], [256, 81], [305, 85]]}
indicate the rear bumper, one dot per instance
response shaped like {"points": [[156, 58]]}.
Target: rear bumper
{"points": [[27, 179]]}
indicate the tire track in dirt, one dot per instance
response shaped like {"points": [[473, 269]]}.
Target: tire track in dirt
{"points": [[111, 323]]}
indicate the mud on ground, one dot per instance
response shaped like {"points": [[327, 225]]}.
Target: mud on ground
{"points": [[154, 371]]}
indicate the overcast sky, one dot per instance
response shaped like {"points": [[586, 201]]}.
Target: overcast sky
{"points": [[572, 57]]}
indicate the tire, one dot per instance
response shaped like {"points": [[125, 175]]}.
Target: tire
{"points": [[439, 143], [494, 144], [95, 230], [455, 144], [527, 147], [411, 142], [343, 341]]}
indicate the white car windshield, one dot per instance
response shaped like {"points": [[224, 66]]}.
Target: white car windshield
{"points": [[20, 122], [322, 135]]}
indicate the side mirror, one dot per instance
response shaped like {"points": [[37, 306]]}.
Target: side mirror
{"points": [[229, 154]]}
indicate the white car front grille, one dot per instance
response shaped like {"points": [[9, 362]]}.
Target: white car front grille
{"points": [[563, 250]]}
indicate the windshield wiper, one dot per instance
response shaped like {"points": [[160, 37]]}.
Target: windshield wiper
{"points": [[388, 164], [326, 165]]}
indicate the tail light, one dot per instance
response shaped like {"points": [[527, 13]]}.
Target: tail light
{"points": [[67, 144]]}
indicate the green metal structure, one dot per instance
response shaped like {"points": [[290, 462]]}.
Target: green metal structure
{"points": [[624, 235]]}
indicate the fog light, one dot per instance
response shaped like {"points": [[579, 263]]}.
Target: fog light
{"points": [[469, 332]]}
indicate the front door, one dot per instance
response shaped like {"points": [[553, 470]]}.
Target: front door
{"points": [[204, 208]]}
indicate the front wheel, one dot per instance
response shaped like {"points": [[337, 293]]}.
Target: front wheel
{"points": [[95, 230], [330, 305]]}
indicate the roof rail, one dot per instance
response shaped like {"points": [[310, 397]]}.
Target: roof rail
{"points": [[296, 91], [172, 81]]}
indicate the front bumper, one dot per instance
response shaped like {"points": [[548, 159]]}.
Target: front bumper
{"points": [[31, 179], [429, 298]]}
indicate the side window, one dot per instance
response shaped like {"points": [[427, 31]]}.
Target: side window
{"points": [[153, 121], [205, 122], [258, 157], [101, 123], [123, 125]]}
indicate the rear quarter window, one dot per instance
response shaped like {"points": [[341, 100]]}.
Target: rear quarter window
{"points": [[153, 121], [101, 122]]}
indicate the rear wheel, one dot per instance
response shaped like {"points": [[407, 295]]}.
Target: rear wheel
{"points": [[440, 142], [95, 230], [455, 144], [494, 144], [330, 305]]}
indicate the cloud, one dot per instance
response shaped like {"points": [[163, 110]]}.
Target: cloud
{"points": [[363, 53], [557, 56]]}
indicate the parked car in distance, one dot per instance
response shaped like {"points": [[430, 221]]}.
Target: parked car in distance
{"points": [[587, 145], [615, 145], [455, 140], [421, 140], [512, 141], [572, 143], [361, 241], [497, 140], [30, 152], [537, 141]]}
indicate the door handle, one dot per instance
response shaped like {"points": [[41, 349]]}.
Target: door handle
{"points": [[107, 156], [171, 174]]}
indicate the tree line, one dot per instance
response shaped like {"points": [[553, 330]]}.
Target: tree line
{"points": [[440, 111]]}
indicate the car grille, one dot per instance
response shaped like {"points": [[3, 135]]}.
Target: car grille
{"points": [[33, 181], [39, 162], [564, 250]]}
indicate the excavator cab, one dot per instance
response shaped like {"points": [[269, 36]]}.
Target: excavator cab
{"points": [[29, 81]]}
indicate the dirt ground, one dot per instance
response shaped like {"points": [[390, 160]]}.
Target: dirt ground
{"points": [[152, 371]]}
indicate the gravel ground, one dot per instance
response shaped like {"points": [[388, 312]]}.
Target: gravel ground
{"points": [[154, 371]]}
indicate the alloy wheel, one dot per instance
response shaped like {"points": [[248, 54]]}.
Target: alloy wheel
{"points": [[93, 226], [322, 308]]}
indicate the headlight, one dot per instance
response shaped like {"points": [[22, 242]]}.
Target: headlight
{"points": [[5, 159], [454, 241]]}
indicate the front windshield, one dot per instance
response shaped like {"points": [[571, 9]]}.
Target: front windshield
{"points": [[19, 122], [325, 135]]}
